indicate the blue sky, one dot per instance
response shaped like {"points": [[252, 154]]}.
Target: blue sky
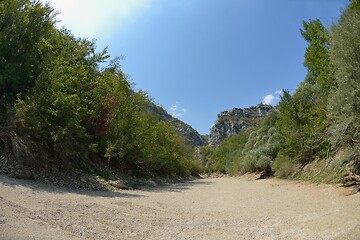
{"points": [[197, 58]]}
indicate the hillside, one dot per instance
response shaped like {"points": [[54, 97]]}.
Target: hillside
{"points": [[192, 137], [67, 106]]}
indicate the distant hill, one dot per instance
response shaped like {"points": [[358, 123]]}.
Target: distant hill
{"points": [[192, 137]]}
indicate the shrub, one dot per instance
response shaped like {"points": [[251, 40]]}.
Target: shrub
{"points": [[283, 167]]}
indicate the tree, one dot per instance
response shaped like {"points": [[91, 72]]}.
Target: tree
{"points": [[303, 119], [317, 52], [53, 112], [25, 28], [344, 103], [68, 111], [354, 4], [302, 125]]}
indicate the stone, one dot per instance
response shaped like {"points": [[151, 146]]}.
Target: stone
{"points": [[118, 184]]}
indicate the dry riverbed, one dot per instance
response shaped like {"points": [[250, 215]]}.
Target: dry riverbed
{"points": [[212, 208]]}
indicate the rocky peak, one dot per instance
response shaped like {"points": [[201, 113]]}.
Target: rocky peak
{"points": [[234, 121]]}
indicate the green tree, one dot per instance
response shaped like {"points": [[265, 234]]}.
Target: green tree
{"points": [[354, 4], [317, 52], [303, 119], [69, 112], [25, 28], [344, 103], [53, 112]]}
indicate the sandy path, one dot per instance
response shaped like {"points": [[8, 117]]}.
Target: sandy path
{"points": [[223, 208]]}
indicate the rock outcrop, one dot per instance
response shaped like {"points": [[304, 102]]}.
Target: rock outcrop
{"points": [[236, 120], [192, 137]]}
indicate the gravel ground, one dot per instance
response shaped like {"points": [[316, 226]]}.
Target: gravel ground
{"points": [[212, 208]]}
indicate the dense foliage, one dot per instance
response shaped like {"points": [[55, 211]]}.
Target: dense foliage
{"points": [[252, 150], [315, 123], [63, 104], [68, 112], [344, 103]]}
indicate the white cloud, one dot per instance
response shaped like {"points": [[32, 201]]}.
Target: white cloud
{"points": [[177, 111], [96, 18], [273, 98], [268, 99]]}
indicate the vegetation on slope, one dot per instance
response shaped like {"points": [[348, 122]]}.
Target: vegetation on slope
{"points": [[64, 104], [315, 131], [62, 107]]}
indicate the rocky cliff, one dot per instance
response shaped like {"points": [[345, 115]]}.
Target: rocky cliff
{"points": [[236, 120], [192, 137]]}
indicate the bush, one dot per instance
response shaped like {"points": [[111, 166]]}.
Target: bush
{"points": [[283, 167], [223, 158], [261, 147]]}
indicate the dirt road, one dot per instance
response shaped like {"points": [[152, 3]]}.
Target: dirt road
{"points": [[222, 208]]}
